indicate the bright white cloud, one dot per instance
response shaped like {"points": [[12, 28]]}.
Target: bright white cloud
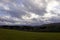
{"points": [[6, 8], [39, 3], [52, 5], [30, 16]]}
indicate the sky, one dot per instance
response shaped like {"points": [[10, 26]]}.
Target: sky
{"points": [[29, 12]]}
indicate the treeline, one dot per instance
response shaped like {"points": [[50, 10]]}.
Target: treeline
{"points": [[54, 27]]}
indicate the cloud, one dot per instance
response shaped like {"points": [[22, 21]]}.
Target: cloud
{"points": [[29, 12]]}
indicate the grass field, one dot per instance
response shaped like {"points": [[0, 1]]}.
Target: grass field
{"points": [[6, 34]]}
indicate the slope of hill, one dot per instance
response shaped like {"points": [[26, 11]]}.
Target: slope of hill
{"points": [[6, 34], [53, 27]]}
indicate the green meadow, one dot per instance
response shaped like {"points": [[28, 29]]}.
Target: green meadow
{"points": [[7, 34]]}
